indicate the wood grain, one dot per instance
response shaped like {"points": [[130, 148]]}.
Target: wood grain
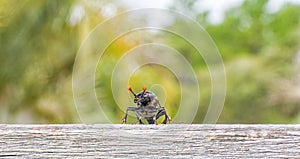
{"points": [[150, 141]]}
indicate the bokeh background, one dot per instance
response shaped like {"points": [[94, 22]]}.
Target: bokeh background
{"points": [[259, 42]]}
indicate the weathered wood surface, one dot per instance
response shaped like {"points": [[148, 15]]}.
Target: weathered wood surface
{"points": [[150, 141]]}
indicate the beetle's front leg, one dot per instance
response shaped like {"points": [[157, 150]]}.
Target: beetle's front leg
{"points": [[155, 120], [128, 109], [167, 118], [139, 120], [162, 112], [134, 109]]}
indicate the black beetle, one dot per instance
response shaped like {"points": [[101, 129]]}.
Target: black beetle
{"points": [[148, 107]]}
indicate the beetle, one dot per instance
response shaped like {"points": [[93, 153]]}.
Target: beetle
{"points": [[148, 107]]}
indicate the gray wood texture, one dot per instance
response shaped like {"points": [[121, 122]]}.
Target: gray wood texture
{"points": [[150, 141]]}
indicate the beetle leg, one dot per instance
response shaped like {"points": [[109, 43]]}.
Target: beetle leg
{"points": [[139, 118], [155, 120], [167, 118], [162, 112], [128, 109]]}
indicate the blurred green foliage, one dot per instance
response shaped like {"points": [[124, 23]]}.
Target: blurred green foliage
{"points": [[39, 41]]}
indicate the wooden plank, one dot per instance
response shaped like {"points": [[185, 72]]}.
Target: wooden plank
{"points": [[150, 141]]}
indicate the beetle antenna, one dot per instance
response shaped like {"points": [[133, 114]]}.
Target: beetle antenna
{"points": [[144, 90], [129, 88]]}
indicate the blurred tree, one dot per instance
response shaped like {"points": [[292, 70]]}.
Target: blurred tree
{"points": [[39, 41], [258, 48], [37, 53]]}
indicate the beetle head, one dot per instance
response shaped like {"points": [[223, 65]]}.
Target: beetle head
{"points": [[139, 98]]}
